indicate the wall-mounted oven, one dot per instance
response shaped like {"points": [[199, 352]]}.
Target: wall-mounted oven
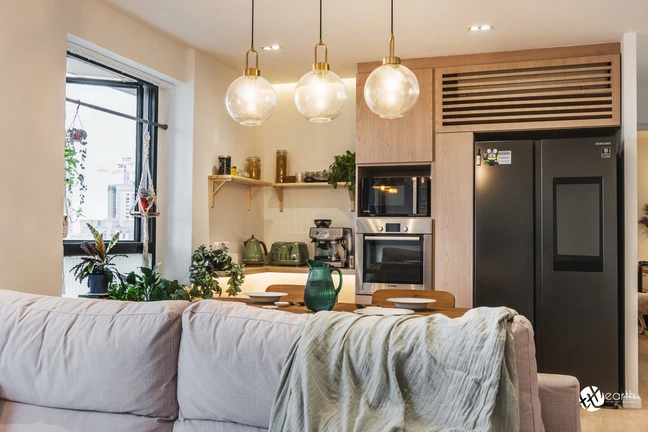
{"points": [[393, 253]]}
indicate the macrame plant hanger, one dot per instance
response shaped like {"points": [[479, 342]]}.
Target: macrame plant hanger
{"points": [[146, 203], [73, 174]]}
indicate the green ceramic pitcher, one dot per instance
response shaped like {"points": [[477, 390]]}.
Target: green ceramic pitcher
{"points": [[320, 293]]}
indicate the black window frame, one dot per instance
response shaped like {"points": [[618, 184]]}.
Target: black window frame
{"points": [[147, 108]]}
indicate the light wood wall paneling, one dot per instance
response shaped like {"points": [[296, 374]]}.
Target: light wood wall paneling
{"points": [[405, 140], [452, 211], [503, 57], [546, 94]]}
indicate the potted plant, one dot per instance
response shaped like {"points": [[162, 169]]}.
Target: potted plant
{"points": [[148, 285], [146, 197], [206, 263], [343, 169], [97, 265], [644, 219]]}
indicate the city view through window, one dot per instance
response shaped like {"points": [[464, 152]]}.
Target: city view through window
{"points": [[109, 168], [101, 190]]}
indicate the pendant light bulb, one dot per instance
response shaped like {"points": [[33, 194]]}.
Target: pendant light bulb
{"points": [[391, 90], [251, 99], [320, 94]]}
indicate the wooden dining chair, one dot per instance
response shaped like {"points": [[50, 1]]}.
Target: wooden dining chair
{"points": [[295, 292], [444, 299]]}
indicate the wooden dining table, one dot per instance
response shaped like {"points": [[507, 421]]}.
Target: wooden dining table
{"points": [[345, 307]]}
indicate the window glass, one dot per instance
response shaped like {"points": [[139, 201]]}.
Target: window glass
{"points": [[109, 166], [103, 154]]}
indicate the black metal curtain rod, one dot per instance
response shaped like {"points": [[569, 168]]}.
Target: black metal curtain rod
{"points": [[117, 113]]}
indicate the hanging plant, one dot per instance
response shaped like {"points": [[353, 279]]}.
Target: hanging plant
{"points": [[75, 156], [644, 219]]}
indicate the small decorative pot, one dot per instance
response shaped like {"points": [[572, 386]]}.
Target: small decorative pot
{"points": [[98, 283], [143, 205]]}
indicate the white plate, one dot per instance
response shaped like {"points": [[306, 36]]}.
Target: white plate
{"points": [[383, 311], [282, 304], [265, 297], [413, 303]]}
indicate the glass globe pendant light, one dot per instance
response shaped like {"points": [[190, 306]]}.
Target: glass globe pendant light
{"points": [[251, 99], [320, 94], [391, 90]]}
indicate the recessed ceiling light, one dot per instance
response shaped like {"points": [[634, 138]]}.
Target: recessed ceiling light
{"points": [[481, 27], [274, 47]]}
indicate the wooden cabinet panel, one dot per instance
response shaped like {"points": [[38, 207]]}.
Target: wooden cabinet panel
{"points": [[547, 94], [452, 210], [408, 139]]}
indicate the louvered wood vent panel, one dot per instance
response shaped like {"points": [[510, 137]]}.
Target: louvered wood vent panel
{"points": [[577, 92]]}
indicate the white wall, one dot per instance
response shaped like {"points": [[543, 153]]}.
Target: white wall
{"points": [[32, 115], [32, 54], [215, 133], [642, 191], [629, 146], [311, 147]]}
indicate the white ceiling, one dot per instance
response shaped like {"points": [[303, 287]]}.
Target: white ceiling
{"points": [[358, 30]]}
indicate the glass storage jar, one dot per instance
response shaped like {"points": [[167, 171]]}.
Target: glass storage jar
{"points": [[282, 166], [254, 167]]}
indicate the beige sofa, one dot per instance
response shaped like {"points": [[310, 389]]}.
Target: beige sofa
{"points": [[97, 365]]}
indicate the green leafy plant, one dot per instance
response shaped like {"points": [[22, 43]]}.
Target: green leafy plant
{"points": [[97, 261], [343, 170], [75, 155], [149, 285], [644, 219], [203, 272]]}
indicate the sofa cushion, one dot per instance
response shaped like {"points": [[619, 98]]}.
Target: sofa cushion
{"points": [[95, 355], [527, 370], [18, 417], [230, 361], [212, 426]]}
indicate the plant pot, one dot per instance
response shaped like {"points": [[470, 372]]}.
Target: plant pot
{"points": [[98, 283], [143, 205]]}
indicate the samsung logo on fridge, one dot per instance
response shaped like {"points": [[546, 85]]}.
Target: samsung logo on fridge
{"points": [[603, 143]]}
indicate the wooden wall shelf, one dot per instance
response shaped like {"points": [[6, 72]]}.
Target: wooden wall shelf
{"points": [[279, 189], [253, 186]]}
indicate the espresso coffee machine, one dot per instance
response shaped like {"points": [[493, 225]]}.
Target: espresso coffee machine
{"points": [[333, 246]]}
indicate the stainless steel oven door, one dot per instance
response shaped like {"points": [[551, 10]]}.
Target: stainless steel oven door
{"points": [[394, 261]]}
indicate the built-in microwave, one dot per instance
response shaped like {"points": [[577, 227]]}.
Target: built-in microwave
{"points": [[395, 196]]}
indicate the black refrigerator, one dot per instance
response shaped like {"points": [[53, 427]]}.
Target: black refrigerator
{"points": [[546, 245]]}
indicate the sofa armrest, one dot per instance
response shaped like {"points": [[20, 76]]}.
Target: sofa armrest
{"points": [[559, 401]]}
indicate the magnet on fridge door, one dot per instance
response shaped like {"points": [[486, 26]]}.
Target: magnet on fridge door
{"points": [[490, 157], [504, 157]]}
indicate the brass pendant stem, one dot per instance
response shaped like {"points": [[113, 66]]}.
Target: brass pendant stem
{"points": [[321, 66], [392, 59], [248, 70]]}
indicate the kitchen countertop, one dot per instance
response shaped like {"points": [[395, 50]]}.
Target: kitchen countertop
{"points": [[250, 270]]}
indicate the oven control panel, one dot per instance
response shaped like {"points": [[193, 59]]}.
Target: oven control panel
{"points": [[393, 228], [394, 225]]}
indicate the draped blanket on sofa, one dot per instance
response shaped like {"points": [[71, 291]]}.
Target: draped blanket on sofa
{"points": [[346, 372]]}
